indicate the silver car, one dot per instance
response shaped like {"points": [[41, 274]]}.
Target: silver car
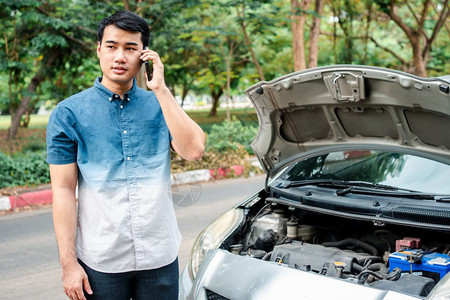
{"points": [[356, 203]]}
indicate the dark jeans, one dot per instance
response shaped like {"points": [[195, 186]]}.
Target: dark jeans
{"points": [[157, 284]]}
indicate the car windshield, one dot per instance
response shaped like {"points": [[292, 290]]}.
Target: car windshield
{"points": [[404, 171]]}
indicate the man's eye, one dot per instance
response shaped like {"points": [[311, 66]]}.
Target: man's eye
{"points": [[131, 49]]}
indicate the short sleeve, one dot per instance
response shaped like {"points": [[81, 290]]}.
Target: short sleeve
{"points": [[61, 144]]}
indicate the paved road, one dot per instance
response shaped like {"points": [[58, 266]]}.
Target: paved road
{"points": [[29, 266]]}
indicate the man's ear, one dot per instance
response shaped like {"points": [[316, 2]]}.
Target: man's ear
{"points": [[98, 49]]}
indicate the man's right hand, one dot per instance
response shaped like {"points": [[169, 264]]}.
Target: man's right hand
{"points": [[64, 181], [74, 280]]}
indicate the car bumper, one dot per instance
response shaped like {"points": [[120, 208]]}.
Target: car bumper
{"points": [[185, 284], [231, 276]]}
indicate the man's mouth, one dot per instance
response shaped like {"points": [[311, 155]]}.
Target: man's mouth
{"points": [[119, 69]]}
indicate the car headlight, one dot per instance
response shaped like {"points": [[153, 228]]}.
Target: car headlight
{"points": [[212, 236]]}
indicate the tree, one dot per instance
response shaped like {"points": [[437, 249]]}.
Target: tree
{"points": [[314, 35], [298, 25], [218, 44], [168, 21], [44, 36], [420, 23], [299, 13], [215, 47], [242, 20]]}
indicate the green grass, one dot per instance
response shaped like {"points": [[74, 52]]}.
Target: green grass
{"points": [[246, 115], [4, 122], [35, 122], [201, 117]]}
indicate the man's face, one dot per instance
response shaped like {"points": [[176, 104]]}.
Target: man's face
{"points": [[119, 54]]}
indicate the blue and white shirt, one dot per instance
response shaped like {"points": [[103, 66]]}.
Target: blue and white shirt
{"points": [[126, 220]]}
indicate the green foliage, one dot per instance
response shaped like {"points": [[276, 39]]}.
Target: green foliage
{"points": [[230, 135], [227, 145], [48, 40], [196, 39], [213, 160], [29, 169], [439, 62]]}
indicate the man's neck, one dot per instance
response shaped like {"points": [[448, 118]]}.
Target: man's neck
{"points": [[117, 88]]}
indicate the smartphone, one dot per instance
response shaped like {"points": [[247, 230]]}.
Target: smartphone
{"points": [[148, 68]]}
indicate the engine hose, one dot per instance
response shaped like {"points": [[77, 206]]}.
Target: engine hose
{"points": [[357, 267], [376, 267], [267, 256], [380, 267], [247, 247], [368, 272], [356, 243]]}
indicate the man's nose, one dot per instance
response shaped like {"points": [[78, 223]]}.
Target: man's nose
{"points": [[120, 55]]}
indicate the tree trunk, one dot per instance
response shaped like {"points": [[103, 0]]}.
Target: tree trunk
{"points": [[228, 90], [213, 111], [416, 33], [334, 34], [35, 81], [126, 5], [184, 92], [215, 95], [314, 36], [248, 42], [347, 27], [369, 6], [419, 63], [298, 24]]}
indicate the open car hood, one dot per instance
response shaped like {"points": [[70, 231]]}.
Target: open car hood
{"points": [[348, 107]]}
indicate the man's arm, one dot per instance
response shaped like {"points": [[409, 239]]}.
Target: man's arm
{"points": [[64, 181], [188, 138]]}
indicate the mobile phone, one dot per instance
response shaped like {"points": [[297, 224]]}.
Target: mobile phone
{"points": [[148, 68]]}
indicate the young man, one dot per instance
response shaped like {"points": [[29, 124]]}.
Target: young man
{"points": [[113, 140]]}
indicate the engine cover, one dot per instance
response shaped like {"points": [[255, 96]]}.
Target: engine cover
{"points": [[328, 261]]}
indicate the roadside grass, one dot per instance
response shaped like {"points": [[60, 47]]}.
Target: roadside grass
{"points": [[33, 137], [246, 115], [35, 122], [201, 117]]}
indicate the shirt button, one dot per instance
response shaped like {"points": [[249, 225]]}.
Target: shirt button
{"points": [[121, 106], [124, 131], [128, 158]]}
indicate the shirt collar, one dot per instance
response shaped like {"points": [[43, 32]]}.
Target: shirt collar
{"points": [[110, 96]]}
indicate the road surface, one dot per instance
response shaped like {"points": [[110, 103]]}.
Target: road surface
{"points": [[29, 265]]}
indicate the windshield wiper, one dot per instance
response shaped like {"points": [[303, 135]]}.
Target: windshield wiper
{"points": [[405, 193], [288, 184], [336, 183], [344, 187]]}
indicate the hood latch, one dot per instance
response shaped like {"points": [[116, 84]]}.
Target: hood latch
{"points": [[345, 86]]}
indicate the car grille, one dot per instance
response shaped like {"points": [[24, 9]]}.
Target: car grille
{"points": [[214, 296], [431, 216]]}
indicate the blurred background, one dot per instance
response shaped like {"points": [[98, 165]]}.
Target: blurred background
{"points": [[212, 52]]}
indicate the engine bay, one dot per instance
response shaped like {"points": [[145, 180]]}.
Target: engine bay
{"points": [[385, 256]]}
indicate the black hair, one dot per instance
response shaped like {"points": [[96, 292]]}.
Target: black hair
{"points": [[125, 20]]}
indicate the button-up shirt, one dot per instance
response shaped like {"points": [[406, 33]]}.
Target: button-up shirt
{"points": [[126, 219]]}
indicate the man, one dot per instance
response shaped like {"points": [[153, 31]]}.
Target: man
{"points": [[114, 140]]}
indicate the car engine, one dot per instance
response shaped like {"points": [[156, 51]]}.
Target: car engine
{"points": [[390, 257]]}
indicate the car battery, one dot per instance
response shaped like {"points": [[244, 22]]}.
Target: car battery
{"points": [[414, 260]]}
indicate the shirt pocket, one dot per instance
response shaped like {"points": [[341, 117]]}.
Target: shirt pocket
{"points": [[153, 136]]}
